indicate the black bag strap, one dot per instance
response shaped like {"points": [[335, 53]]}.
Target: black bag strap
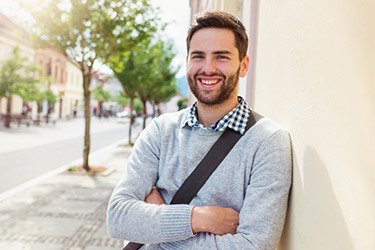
{"points": [[208, 165], [205, 168]]}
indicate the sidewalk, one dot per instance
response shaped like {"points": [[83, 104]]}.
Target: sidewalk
{"points": [[66, 211]]}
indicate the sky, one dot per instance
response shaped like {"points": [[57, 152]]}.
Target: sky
{"points": [[174, 12], [177, 12]]}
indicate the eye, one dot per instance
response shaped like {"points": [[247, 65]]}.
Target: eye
{"points": [[196, 56], [222, 57]]}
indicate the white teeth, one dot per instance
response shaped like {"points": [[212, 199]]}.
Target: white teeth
{"points": [[209, 82]]}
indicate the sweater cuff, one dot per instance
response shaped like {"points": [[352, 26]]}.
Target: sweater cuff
{"points": [[176, 222]]}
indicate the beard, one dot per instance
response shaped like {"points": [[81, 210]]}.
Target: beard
{"points": [[217, 96]]}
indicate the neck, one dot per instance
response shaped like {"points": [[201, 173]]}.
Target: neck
{"points": [[210, 114]]}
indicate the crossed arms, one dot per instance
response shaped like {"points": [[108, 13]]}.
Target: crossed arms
{"points": [[138, 213], [210, 219]]}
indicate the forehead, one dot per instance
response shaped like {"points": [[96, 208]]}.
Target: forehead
{"points": [[213, 39]]}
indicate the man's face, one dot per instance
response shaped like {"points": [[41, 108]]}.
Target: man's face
{"points": [[213, 66]]}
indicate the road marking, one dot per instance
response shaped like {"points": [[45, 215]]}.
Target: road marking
{"points": [[39, 179]]}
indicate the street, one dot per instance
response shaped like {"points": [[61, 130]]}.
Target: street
{"points": [[27, 153]]}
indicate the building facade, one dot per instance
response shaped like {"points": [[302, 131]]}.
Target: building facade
{"points": [[11, 36], [313, 71], [55, 70], [109, 84], [65, 79]]}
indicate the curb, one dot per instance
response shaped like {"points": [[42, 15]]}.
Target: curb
{"points": [[33, 182]]}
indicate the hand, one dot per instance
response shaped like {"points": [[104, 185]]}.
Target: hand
{"points": [[214, 219], [154, 197]]}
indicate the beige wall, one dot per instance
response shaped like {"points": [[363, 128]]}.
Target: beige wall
{"points": [[315, 74], [70, 93]]}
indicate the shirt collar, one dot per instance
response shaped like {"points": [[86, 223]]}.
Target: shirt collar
{"points": [[235, 119]]}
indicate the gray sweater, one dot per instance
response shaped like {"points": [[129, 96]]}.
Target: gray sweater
{"points": [[253, 179]]}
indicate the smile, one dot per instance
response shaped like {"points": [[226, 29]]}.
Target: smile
{"points": [[209, 81]]}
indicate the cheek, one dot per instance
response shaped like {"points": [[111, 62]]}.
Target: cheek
{"points": [[192, 68], [227, 68]]}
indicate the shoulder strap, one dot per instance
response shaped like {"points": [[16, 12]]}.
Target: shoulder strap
{"points": [[208, 165], [205, 168]]}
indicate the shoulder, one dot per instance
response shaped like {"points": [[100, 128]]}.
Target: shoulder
{"points": [[161, 126], [172, 120], [267, 129]]}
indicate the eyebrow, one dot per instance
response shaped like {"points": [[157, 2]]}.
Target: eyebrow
{"points": [[226, 52]]}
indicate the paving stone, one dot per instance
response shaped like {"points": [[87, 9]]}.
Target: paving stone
{"points": [[102, 231], [65, 212], [101, 248], [45, 226], [16, 202], [71, 206], [25, 246]]}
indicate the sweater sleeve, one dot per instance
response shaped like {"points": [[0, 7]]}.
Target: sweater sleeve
{"points": [[263, 213], [128, 216]]}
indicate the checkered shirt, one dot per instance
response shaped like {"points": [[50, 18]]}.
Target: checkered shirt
{"points": [[236, 119]]}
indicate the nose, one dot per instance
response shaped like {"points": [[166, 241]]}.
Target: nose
{"points": [[209, 66]]}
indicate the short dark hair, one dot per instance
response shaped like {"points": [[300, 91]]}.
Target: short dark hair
{"points": [[223, 20]]}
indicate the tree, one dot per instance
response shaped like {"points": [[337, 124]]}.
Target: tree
{"points": [[39, 93], [165, 75], [122, 100], [158, 78], [90, 30], [182, 103], [127, 72], [138, 106], [101, 96], [16, 78], [146, 72]]}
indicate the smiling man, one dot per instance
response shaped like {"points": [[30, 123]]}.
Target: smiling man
{"points": [[244, 202]]}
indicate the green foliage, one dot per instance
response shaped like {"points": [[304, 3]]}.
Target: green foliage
{"points": [[16, 76], [122, 100], [91, 29], [123, 64], [161, 81], [35, 93], [100, 94], [146, 70], [182, 103], [49, 96], [138, 105]]}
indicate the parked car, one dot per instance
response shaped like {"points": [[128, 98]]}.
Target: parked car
{"points": [[123, 114]]}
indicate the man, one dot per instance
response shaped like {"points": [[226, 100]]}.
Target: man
{"points": [[243, 203]]}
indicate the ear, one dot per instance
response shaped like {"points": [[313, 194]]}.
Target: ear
{"points": [[244, 66]]}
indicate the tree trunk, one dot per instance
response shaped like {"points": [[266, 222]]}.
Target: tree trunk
{"points": [[87, 113], [39, 111], [154, 109], [159, 111], [8, 112], [144, 113], [131, 121], [100, 107]]}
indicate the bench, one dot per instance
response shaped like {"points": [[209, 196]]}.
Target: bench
{"points": [[18, 119], [45, 119]]}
